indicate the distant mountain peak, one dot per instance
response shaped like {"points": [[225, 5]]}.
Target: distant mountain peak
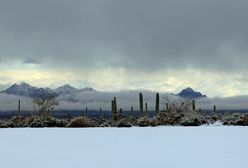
{"points": [[66, 86], [188, 89], [65, 89], [24, 89], [191, 94], [88, 89], [24, 84]]}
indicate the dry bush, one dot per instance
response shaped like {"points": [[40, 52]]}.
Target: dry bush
{"points": [[162, 120], [242, 121], [80, 122], [5, 124], [144, 122], [192, 121], [45, 122], [18, 121], [124, 123]]}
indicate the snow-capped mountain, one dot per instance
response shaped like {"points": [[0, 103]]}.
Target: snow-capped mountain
{"points": [[65, 92], [65, 89], [87, 89], [190, 94], [26, 90], [22, 89]]}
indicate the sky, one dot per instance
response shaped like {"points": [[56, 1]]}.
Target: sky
{"points": [[113, 45]]}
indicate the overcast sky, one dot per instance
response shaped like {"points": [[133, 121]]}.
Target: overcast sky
{"points": [[111, 45]]}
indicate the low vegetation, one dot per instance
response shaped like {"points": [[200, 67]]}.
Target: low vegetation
{"points": [[175, 113]]}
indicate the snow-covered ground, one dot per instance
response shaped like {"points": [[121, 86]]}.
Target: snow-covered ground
{"points": [[160, 147]]}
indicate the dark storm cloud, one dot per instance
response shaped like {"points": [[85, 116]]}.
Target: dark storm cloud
{"points": [[30, 60], [139, 34]]}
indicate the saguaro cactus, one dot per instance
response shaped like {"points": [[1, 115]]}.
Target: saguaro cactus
{"points": [[114, 109], [141, 104], [214, 108], [146, 109], [157, 103], [193, 105], [131, 113], [115, 105], [86, 110], [167, 107], [19, 107], [69, 116], [100, 112], [120, 112]]}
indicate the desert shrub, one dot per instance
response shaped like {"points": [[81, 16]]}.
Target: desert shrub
{"points": [[216, 117], [144, 122], [242, 121], [169, 118], [161, 120], [232, 119], [18, 121], [191, 121], [5, 124], [80, 122], [53, 122], [124, 123], [105, 124], [101, 122], [45, 122], [154, 122], [35, 122]]}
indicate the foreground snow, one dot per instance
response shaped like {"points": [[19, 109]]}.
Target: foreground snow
{"points": [[165, 147]]}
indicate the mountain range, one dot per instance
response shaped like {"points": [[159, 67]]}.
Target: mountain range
{"points": [[26, 90], [191, 94]]}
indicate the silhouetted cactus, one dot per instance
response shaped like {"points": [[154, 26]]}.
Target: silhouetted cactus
{"points": [[100, 112], [120, 113], [214, 108], [19, 107], [157, 103], [146, 109], [69, 116], [112, 106], [193, 105], [141, 104], [114, 109], [132, 113], [167, 107], [115, 105], [85, 113]]}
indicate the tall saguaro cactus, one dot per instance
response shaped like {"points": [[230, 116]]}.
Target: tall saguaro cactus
{"points": [[157, 103], [167, 106], [146, 109], [214, 108], [19, 107], [100, 112], [193, 105], [131, 113], [114, 109], [141, 104]]}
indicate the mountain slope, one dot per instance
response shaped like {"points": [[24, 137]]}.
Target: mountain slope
{"points": [[26, 90], [190, 94], [65, 89], [65, 92]]}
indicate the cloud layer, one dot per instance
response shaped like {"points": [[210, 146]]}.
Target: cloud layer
{"points": [[47, 42], [125, 100], [137, 34]]}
